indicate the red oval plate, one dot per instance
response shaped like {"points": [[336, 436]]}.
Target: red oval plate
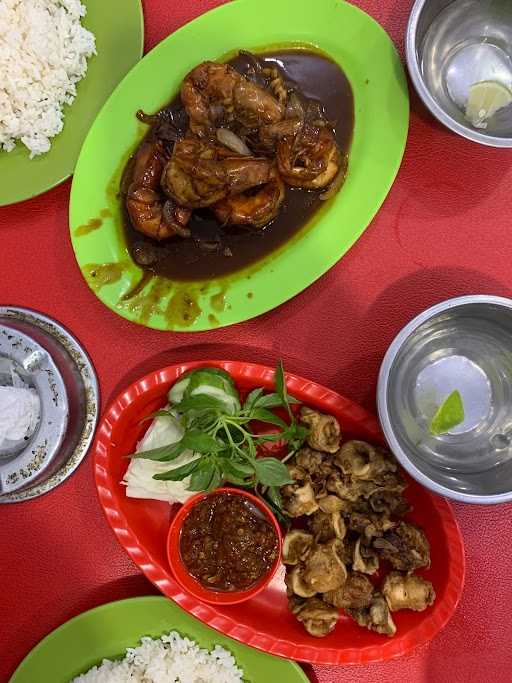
{"points": [[264, 622]]}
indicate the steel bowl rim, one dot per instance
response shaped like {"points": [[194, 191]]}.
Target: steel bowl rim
{"points": [[93, 402], [382, 398], [427, 98]]}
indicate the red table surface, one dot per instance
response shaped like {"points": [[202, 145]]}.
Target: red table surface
{"points": [[443, 231]]}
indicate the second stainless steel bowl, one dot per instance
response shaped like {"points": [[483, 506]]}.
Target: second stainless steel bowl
{"points": [[462, 344], [453, 44]]}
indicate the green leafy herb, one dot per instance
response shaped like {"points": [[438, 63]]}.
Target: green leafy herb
{"points": [[449, 414], [227, 436]]}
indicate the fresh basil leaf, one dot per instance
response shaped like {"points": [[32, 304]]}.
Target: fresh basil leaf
{"points": [[237, 481], [200, 442], [201, 402], [163, 453], [264, 415], [273, 401], [238, 469], [215, 480], [274, 496], [275, 436], [252, 398], [272, 472], [202, 476], [179, 473], [279, 381]]}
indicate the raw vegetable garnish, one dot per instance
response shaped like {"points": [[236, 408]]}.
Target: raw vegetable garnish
{"points": [[221, 431], [449, 414]]}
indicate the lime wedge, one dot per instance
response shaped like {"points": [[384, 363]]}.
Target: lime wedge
{"points": [[449, 414], [485, 99]]}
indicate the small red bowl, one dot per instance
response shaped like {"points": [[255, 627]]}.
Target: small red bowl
{"points": [[188, 582]]}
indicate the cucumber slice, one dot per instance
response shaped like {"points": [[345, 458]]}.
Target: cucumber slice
{"points": [[207, 382], [177, 391]]}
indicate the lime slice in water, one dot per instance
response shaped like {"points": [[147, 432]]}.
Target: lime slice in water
{"points": [[449, 414], [485, 99]]}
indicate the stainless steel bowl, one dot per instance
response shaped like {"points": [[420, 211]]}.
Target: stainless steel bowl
{"points": [[54, 365], [452, 44], [462, 344]]}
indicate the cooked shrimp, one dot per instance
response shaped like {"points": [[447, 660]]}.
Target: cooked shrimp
{"points": [[216, 94], [310, 159], [148, 210], [270, 135], [255, 208], [201, 173]]}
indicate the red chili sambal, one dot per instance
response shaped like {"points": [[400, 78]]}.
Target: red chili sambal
{"points": [[227, 544]]}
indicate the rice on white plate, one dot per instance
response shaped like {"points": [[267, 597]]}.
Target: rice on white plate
{"points": [[43, 54], [169, 659]]}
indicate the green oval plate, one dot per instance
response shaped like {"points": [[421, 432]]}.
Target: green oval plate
{"points": [[368, 57], [106, 632], [119, 29]]}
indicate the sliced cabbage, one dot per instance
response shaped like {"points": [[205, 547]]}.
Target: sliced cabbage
{"points": [[139, 482]]}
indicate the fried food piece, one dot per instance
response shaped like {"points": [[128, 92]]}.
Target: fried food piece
{"points": [[376, 617], [365, 560], [296, 583], [356, 593], [406, 547], [319, 618], [296, 546], [369, 525], [323, 570], [388, 502], [407, 591], [324, 432], [363, 461], [344, 487], [325, 526], [299, 500], [330, 504]]}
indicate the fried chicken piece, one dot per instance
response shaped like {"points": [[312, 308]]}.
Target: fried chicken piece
{"points": [[389, 502], [326, 526], [330, 504], [319, 618], [299, 500], [406, 547], [407, 591], [324, 432], [356, 593], [296, 546], [323, 570], [369, 525], [296, 583], [365, 560], [376, 617]]}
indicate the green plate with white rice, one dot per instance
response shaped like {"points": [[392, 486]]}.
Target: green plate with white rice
{"points": [[175, 647], [58, 67]]}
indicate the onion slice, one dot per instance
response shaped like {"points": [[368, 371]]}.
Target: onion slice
{"points": [[227, 138]]}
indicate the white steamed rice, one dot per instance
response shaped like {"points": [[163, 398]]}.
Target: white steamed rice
{"points": [[43, 54], [169, 659]]}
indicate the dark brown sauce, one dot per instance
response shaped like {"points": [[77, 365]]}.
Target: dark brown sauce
{"points": [[318, 78]]}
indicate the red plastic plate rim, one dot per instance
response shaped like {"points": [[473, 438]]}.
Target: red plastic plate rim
{"points": [[161, 577]]}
